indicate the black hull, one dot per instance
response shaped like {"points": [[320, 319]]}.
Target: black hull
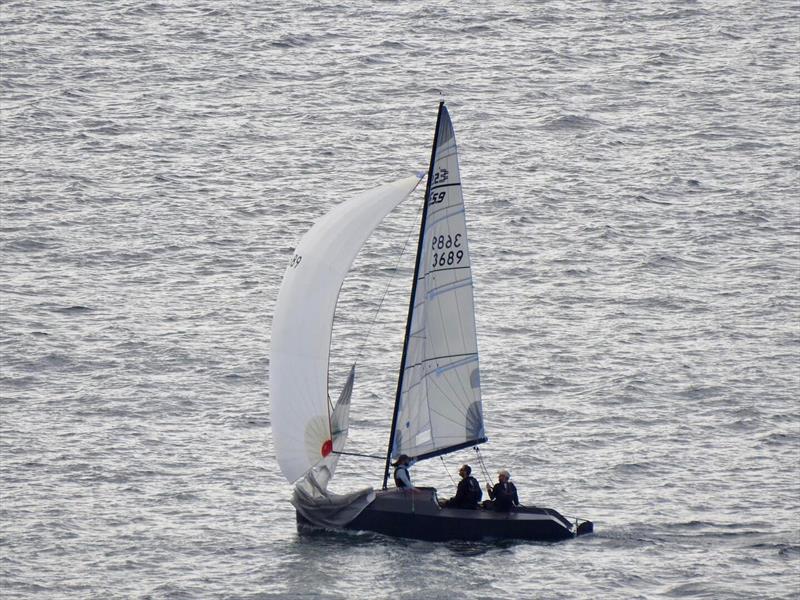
{"points": [[415, 514]]}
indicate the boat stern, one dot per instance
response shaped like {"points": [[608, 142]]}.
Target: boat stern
{"points": [[584, 527]]}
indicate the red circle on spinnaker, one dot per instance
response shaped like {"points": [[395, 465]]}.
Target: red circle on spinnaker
{"points": [[327, 448]]}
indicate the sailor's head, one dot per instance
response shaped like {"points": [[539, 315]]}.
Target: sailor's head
{"points": [[402, 460], [465, 470], [503, 475]]}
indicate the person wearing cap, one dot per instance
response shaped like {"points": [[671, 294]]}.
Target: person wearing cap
{"points": [[468, 493], [504, 493], [402, 479]]}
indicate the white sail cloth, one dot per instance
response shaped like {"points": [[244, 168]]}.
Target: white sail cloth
{"points": [[332, 511], [439, 408], [315, 482], [301, 326]]}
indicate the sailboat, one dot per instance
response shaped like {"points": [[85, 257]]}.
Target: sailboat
{"points": [[437, 409]]}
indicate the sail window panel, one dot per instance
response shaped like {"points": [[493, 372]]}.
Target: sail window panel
{"points": [[414, 420], [423, 437]]}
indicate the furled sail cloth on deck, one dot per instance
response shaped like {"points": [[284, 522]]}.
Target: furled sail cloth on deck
{"points": [[301, 326], [331, 510], [311, 497], [439, 405]]}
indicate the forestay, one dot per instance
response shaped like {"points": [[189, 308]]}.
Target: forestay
{"points": [[301, 327], [439, 398]]}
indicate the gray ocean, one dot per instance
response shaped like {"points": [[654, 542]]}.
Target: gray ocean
{"points": [[631, 172]]}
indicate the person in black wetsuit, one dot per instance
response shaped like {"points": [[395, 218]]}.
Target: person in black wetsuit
{"points": [[468, 493], [402, 479], [503, 494]]}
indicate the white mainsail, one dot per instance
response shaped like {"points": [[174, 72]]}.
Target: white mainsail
{"points": [[301, 326], [439, 397]]}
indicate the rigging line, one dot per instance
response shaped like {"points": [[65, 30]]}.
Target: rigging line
{"points": [[483, 466], [446, 470], [411, 230], [357, 454]]}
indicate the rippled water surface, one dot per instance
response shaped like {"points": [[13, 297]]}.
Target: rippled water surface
{"points": [[631, 178]]}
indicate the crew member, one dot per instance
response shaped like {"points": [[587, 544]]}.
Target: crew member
{"points": [[468, 493], [402, 479], [504, 493]]}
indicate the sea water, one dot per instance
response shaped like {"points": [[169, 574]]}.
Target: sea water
{"points": [[630, 172]]}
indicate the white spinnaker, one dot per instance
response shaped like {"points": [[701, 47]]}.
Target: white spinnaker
{"points": [[440, 404], [315, 482], [301, 326]]}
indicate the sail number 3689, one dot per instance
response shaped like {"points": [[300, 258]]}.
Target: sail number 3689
{"points": [[446, 250]]}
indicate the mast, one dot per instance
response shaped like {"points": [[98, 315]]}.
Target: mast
{"points": [[413, 295]]}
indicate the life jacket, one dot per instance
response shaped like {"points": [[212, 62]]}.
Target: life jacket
{"points": [[504, 494], [474, 489], [397, 481]]}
